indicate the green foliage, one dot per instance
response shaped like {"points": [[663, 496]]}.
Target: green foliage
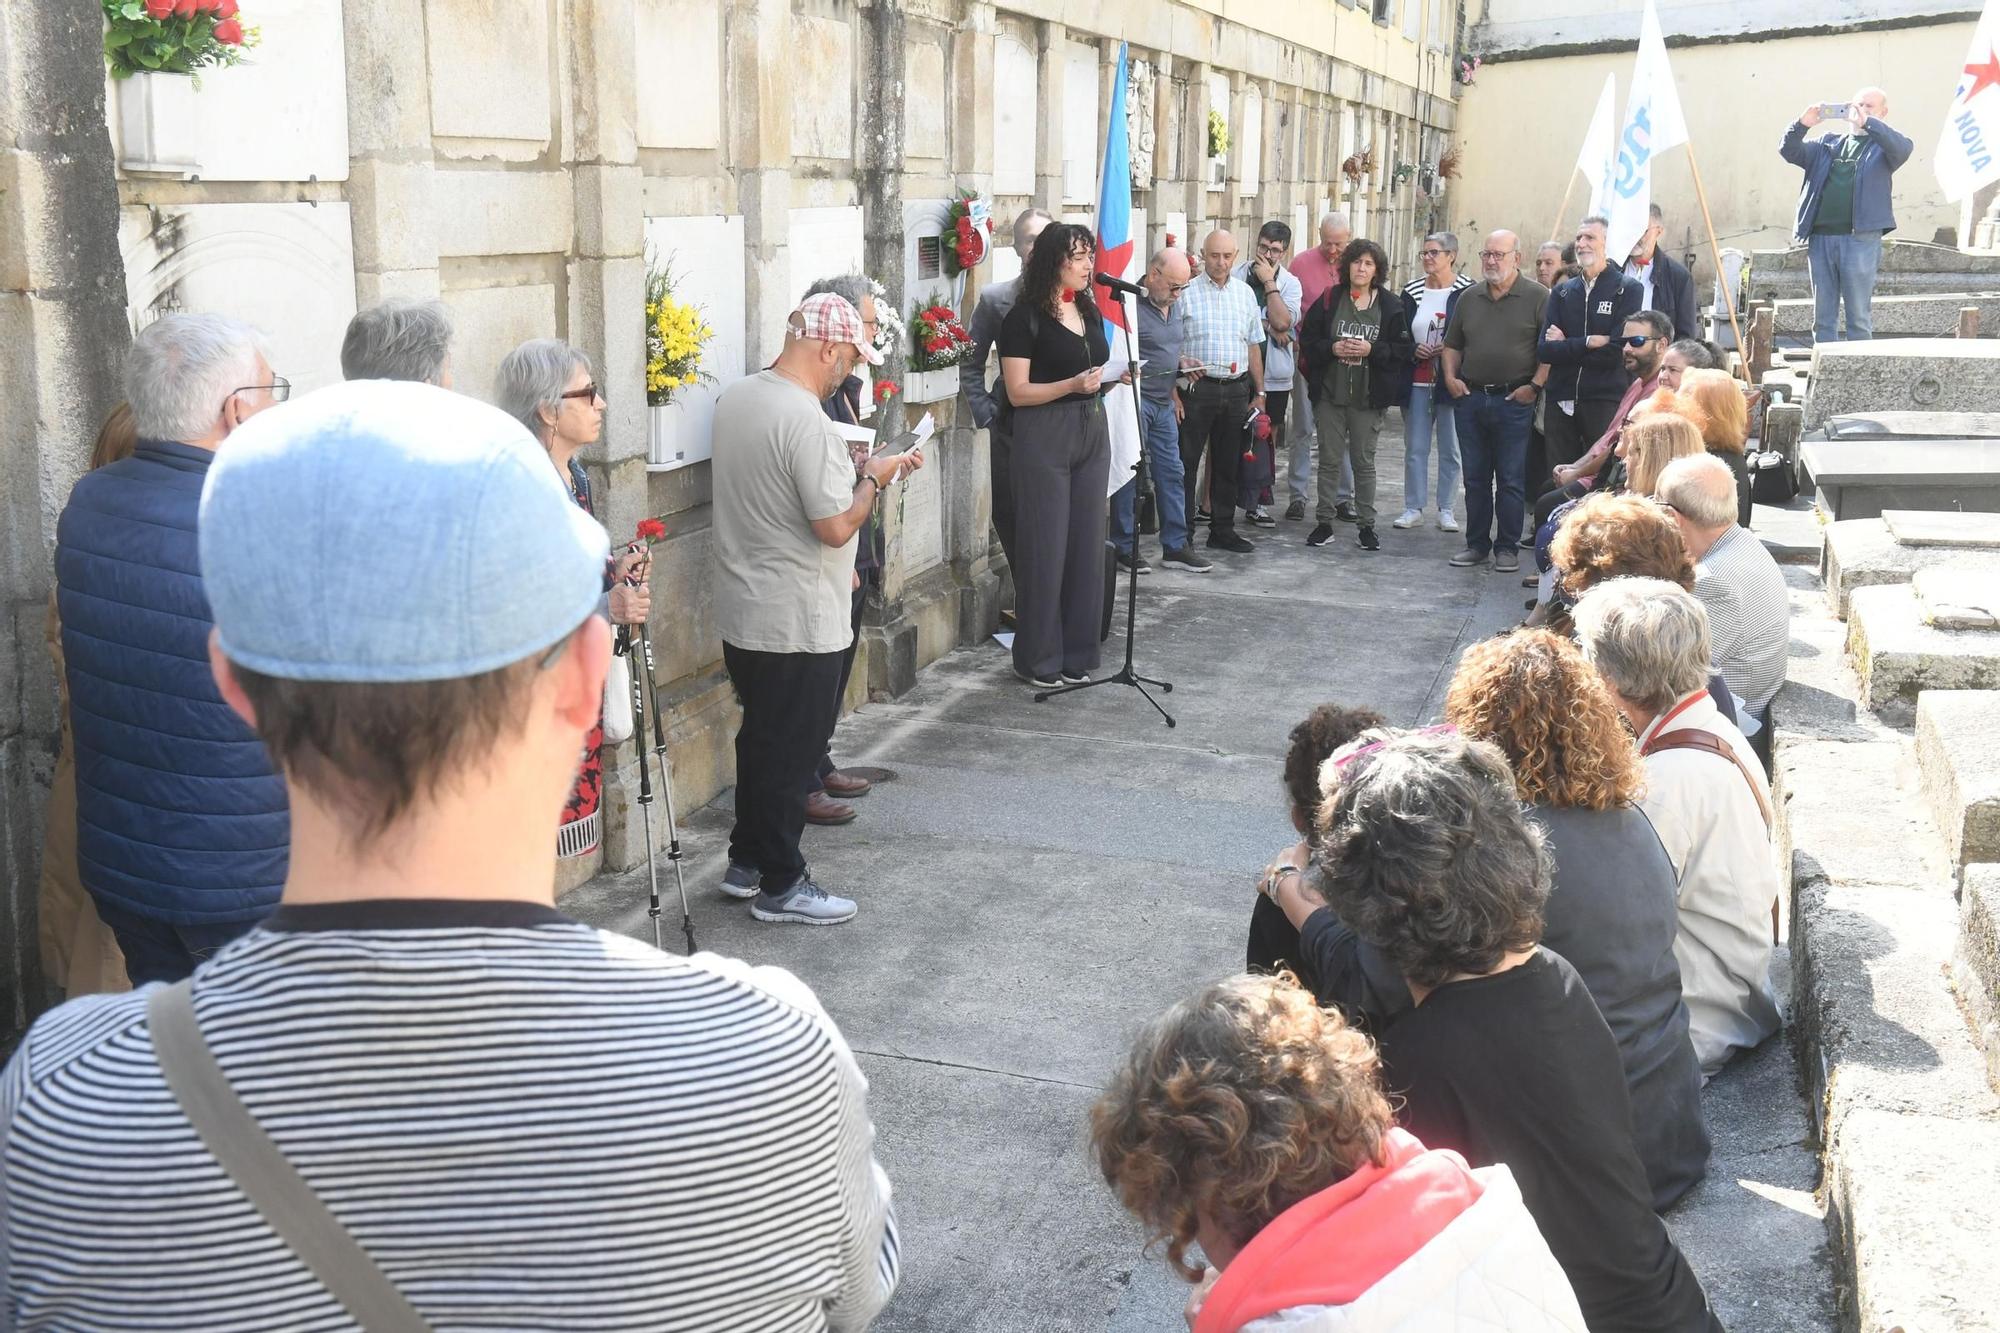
{"points": [[209, 37], [1218, 133]]}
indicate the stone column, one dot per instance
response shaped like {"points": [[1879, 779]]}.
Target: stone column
{"points": [[1230, 211], [964, 458], [1052, 71], [607, 315], [1165, 197], [1194, 152], [390, 191], [758, 41], [1273, 198], [63, 335]]}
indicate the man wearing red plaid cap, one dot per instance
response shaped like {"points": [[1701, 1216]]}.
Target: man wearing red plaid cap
{"points": [[788, 505]]}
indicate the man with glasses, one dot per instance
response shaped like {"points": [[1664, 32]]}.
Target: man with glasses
{"points": [[1223, 365], [1642, 351], [182, 824], [1490, 368], [1160, 343], [1281, 298]]}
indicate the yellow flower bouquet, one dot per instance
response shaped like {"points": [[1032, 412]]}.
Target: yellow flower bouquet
{"points": [[676, 334]]}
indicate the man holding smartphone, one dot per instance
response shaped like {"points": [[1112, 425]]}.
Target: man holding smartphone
{"points": [[1845, 207]]}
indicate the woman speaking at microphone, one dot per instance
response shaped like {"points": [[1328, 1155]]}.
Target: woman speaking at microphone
{"points": [[1052, 354]]}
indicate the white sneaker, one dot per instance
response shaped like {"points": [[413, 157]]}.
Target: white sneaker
{"points": [[806, 903], [1410, 518], [1446, 521]]}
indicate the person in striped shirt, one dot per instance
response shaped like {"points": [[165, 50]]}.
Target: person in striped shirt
{"points": [[520, 1120]]}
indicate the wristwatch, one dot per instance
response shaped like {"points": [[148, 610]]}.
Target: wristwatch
{"points": [[1269, 888]]}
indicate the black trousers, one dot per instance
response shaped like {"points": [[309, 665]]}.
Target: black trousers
{"points": [[1215, 413], [1000, 475], [789, 703], [826, 764], [1570, 436]]}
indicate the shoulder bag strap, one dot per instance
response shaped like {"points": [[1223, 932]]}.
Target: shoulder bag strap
{"points": [[1693, 739], [277, 1190]]}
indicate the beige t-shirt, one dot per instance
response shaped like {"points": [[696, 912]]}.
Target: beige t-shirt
{"points": [[778, 466]]}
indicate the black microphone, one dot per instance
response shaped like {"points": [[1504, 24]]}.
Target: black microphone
{"points": [[1120, 285]]}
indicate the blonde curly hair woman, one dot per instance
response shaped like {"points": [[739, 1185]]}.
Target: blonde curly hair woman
{"points": [[1251, 1121], [1612, 911]]}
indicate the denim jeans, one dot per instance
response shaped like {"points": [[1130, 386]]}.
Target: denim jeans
{"points": [[1493, 441], [1420, 419], [1843, 273], [1163, 461], [1305, 447]]}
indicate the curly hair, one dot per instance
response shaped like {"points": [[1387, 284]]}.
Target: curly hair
{"points": [[1356, 248], [1425, 853], [1612, 536], [1656, 439], [1532, 694], [1233, 1106], [1041, 275], [1313, 742]]}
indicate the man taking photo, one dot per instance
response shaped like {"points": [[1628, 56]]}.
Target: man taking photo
{"points": [[1845, 209]]}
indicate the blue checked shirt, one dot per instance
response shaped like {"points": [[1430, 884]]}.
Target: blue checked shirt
{"points": [[1221, 323]]}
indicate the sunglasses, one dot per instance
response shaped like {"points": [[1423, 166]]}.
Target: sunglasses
{"points": [[587, 392], [1636, 339]]}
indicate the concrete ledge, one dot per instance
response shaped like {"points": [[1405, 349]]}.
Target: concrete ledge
{"points": [[1975, 967], [1933, 313], [1863, 553], [1818, 787], [1910, 1203], [1959, 769], [1898, 656]]}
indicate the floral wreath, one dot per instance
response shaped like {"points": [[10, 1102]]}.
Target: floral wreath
{"points": [[939, 341], [969, 223]]}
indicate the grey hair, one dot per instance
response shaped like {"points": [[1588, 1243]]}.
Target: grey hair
{"points": [[1648, 638], [1701, 489], [1546, 246], [533, 376], [1425, 853], [1021, 221], [1595, 219], [1695, 352], [399, 339], [1336, 219], [182, 369], [1448, 240], [1656, 321], [850, 287]]}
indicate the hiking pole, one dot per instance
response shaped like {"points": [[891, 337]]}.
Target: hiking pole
{"points": [[667, 790], [645, 786]]}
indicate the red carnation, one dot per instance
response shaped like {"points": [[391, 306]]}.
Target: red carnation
{"points": [[229, 32], [205, 6], [937, 345], [886, 389], [225, 9], [183, 9], [159, 9], [652, 530]]}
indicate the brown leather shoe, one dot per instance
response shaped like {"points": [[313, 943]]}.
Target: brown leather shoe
{"points": [[823, 809], [845, 785]]}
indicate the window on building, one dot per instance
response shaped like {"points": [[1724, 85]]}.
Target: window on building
{"points": [[1384, 11], [1218, 107]]}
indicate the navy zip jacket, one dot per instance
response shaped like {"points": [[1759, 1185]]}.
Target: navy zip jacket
{"points": [[180, 816], [1882, 151], [1576, 372], [1673, 294]]}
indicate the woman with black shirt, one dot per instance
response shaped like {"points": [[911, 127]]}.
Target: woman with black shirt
{"points": [[1423, 849], [1355, 349], [1052, 353]]}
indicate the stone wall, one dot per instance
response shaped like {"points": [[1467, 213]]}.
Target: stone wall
{"points": [[519, 159]]}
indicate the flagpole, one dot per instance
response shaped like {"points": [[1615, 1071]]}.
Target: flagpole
{"points": [[1555, 231], [1715, 250]]}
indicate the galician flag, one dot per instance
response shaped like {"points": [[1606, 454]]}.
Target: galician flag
{"points": [[1965, 156], [1117, 254], [1598, 161], [1653, 124]]}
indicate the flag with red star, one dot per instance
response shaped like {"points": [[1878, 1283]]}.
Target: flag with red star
{"points": [[1965, 155]]}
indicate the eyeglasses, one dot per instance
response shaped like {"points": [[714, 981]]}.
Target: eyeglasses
{"points": [[1493, 256], [1178, 287], [1432, 254], [279, 388], [1636, 339], [587, 392]]}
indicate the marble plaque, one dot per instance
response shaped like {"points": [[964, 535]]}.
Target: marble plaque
{"points": [[925, 101], [680, 73], [1082, 128], [1249, 149], [706, 257], [286, 269], [917, 536], [489, 62], [1015, 103], [822, 56]]}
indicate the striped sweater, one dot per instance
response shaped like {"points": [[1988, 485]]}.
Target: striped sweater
{"points": [[528, 1123]]}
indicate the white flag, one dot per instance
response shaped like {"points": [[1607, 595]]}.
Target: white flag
{"points": [[1965, 153], [1653, 124], [1599, 159]]}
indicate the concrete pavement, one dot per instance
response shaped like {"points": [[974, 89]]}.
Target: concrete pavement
{"points": [[1039, 879]]}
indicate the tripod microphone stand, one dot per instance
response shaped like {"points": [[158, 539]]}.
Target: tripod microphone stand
{"points": [[1126, 675]]}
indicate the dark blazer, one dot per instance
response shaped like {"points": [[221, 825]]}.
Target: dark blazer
{"points": [[1579, 372], [180, 817], [995, 300], [1883, 151], [1389, 386], [1673, 294]]}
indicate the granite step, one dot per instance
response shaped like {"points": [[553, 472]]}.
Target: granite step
{"points": [[1898, 652], [1958, 762]]}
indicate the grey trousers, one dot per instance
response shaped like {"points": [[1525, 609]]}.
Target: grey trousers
{"points": [[1305, 448], [1062, 470], [1347, 433]]}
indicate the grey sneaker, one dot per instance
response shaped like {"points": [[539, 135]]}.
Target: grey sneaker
{"points": [[739, 881], [1506, 562], [806, 903]]}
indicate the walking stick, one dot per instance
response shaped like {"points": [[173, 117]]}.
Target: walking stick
{"points": [[645, 785], [666, 790]]}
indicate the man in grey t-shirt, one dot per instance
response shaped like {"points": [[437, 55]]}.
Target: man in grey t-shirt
{"points": [[787, 508]]}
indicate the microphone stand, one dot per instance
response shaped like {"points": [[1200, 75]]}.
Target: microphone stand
{"points": [[1126, 674]]}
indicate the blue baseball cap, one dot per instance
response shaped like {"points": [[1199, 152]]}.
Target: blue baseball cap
{"points": [[379, 531]]}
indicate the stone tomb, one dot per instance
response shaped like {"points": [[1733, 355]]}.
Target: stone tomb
{"points": [[1915, 426], [1862, 478], [1937, 633], [1892, 549], [1904, 374]]}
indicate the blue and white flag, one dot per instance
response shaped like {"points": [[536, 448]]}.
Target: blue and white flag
{"points": [[1653, 124], [1965, 153], [1598, 159]]}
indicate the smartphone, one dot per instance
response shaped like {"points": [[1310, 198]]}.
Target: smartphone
{"points": [[1835, 111]]}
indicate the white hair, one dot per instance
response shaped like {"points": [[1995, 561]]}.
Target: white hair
{"points": [[1648, 638], [1336, 220], [533, 376], [182, 369], [398, 339], [1701, 489]]}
